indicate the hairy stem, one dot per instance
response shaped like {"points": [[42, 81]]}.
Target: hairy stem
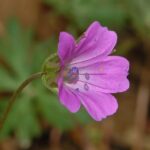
{"points": [[16, 93]]}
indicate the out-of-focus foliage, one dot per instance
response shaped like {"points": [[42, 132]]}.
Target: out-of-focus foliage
{"points": [[83, 12], [113, 13], [25, 57], [139, 11]]}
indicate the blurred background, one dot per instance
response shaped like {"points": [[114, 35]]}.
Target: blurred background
{"points": [[29, 31]]}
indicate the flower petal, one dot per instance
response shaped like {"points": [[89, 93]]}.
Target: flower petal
{"points": [[66, 47], [99, 105], [108, 65], [96, 41], [108, 76], [68, 97]]}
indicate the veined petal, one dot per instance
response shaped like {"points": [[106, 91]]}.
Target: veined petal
{"points": [[99, 105], [66, 47], [97, 40], [68, 97], [100, 59], [108, 76], [87, 36], [105, 85], [108, 65]]}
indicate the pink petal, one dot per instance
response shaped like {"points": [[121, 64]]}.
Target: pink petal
{"points": [[87, 36], [111, 86], [108, 65], [68, 97], [108, 76], [107, 83], [97, 41], [66, 47], [99, 105]]}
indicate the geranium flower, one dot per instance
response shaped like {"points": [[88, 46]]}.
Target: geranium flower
{"points": [[88, 75]]}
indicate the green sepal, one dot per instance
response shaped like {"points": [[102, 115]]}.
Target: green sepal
{"points": [[51, 68]]}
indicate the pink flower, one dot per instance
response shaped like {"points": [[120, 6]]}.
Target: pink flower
{"points": [[88, 74]]}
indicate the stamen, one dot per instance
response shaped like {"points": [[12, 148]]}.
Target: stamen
{"points": [[87, 76], [72, 75], [77, 89], [86, 87]]}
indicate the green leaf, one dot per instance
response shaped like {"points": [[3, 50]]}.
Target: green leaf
{"points": [[22, 119], [15, 47], [53, 111], [7, 82]]}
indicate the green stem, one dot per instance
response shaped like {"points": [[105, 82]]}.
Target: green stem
{"points": [[16, 93]]}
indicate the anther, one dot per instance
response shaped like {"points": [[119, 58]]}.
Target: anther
{"points": [[87, 76], [86, 87], [72, 75]]}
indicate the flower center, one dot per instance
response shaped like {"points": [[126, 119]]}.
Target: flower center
{"points": [[72, 75]]}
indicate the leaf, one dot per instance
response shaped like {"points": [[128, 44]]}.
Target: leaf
{"points": [[15, 47], [53, 111], [7, 82], [108, 12], [22, 119], [42, 50]]}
